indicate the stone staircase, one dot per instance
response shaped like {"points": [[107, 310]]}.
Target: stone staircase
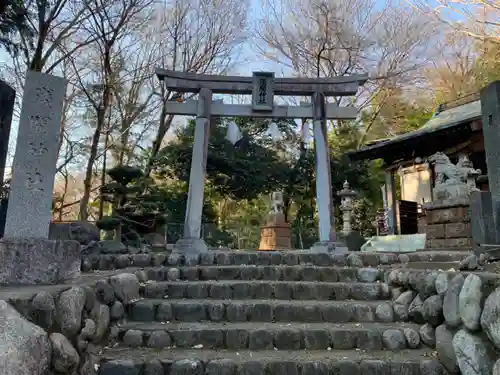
{"points": [[270, 313]]}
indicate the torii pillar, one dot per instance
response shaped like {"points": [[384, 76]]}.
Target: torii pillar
{"points": [[324, 191], [191, 242]]}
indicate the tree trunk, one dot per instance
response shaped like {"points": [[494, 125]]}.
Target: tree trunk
{"points": [[124, 138], [87, 183], [165, 122], [103, 175], [101, 112], [63, 196]]}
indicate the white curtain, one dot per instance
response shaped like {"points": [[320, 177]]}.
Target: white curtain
{"points": [[274, 132], [233, 134], [306, 132]]}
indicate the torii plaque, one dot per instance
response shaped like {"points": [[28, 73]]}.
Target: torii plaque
{"points": [[262, 86], [263, 94]]}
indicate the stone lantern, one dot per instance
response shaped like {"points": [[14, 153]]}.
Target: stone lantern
{"points": [[347, 197], [471, 175]]}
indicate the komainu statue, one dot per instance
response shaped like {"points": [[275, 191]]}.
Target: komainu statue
{"points": [[453, 182]]}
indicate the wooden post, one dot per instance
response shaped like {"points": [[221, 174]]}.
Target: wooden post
{"points": [[390, 188]]}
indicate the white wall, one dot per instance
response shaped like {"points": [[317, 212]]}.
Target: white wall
{"points": [[416, 183]]}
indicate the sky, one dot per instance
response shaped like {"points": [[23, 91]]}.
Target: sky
{"points": [[253, 62]]}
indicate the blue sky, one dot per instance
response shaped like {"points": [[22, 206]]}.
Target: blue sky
{"points": [[253, 62]]}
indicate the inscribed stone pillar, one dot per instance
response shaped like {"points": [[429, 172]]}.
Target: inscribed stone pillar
{"points": [[7, 99], [490, 108], [26, 255], [191, 241], [30, 201], [324, 199], [481, 217]]}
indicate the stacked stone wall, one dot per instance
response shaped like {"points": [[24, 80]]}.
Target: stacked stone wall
{"points": [[459, 316], [448, 227], [63, 327]]}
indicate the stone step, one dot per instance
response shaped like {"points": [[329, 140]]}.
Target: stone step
{"points": [[146, 361], [281, 290], [280, 272], [163, 310], [291, 258], [444, 266], [267, 336]]}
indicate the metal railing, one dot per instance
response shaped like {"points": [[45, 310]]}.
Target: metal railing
{"points": [[234, 237], [228, 236]]}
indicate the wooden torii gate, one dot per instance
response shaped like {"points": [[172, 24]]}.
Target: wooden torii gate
{"points": [[262, 86]]}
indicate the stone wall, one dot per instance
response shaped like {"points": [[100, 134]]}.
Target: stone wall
{"points": [[110, 254], [459, 316], [62, 329], [448, 227]]}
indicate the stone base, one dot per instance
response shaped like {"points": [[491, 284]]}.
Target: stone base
{"points": [[448, 226], [81, 231], [462, 243], [329, 247], [190, 246], [354, 240], [156, 240], [38, 261], [450, 194], [276, 237]]}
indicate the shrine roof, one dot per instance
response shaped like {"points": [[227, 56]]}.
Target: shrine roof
{"points": [[443, 130]]}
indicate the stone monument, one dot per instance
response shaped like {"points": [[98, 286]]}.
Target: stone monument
{"points": [[448, 216], [7, 99], [490, 111], [276, 233], [482, 219], [26, 254]]}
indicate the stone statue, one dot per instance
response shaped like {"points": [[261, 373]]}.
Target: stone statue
{"points": [[453, 182], [277, 202]]}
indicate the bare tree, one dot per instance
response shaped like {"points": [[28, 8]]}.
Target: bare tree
{"points": [[53, 23], [335, 38], [111, 25], [475, 18], [451, 74], [135, 111], [69, 144], [55, 27], [201, 36]]}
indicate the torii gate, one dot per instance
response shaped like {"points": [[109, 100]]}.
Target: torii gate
{"points": [[262, 86]]}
